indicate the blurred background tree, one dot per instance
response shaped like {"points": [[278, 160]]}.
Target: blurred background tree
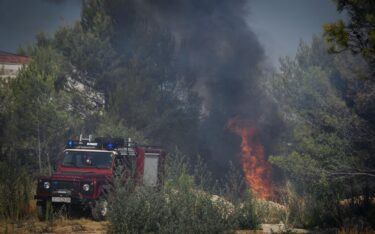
{"points": [[356, 34]]}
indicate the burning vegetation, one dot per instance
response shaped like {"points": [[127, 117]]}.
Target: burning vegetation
{"points": [[256, 169]]}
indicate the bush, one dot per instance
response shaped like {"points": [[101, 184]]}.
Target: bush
{"points": [[246, 216], [15, 190], [176, 208], [179, 206]]}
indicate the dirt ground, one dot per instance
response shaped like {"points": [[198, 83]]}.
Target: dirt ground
{"points": [[58, 226], [272, 228], [84, 225]]}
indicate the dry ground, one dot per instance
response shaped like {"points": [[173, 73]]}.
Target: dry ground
{"points": [[60, 225], [83, 225]]}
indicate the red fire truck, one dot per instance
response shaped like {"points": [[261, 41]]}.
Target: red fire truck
{"points": [[84, 174]]}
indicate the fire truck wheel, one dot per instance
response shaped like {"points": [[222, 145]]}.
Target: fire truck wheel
{"points": [[99, 211]]}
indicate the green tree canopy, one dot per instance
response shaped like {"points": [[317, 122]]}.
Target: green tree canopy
{"points": [[36, 117], [324, 150], [357, 34]]}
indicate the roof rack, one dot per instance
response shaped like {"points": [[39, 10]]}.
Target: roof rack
{"points": [[107, 143]]}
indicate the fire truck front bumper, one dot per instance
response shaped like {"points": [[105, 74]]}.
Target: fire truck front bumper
{"points": [[64, 200]]}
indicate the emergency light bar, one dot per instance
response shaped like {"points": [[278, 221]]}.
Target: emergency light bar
{"points": [[100, 143], [110, 143]]}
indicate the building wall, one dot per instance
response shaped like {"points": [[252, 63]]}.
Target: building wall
{"points": [[9, 70], [11, 64]]}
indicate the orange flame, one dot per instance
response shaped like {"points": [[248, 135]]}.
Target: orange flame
{"points": [[256, 168]]}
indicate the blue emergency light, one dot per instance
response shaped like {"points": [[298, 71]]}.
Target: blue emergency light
{"points": [[70, 144], [109, 146]]}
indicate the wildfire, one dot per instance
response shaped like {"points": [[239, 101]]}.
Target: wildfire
{"points": [[256, 168]]}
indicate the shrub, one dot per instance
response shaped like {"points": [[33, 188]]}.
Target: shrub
{"points": [[179, 206], [176, 208], [246, 216], [15, 190]]}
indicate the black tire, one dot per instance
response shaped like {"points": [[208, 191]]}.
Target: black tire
{"points": [[99, 210], [41, 211]]}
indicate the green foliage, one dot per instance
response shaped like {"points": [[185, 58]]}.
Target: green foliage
{"points": [[321, 150], [175, 208], [37, 114], [320, 140], [110, 127], [87, 52], [235, 187], [16, 189], [246, 215], [94, 18], [34, 118], [179, 206], [358, 33]]}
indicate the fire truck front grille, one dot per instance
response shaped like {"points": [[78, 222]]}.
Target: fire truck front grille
{"points": [[64, 185]]}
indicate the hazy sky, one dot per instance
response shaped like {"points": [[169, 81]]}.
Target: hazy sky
{"points": [[279, 24], [20, 20]]}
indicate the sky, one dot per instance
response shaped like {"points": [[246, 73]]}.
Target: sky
{"points": [[21, 20], [279, 24]]}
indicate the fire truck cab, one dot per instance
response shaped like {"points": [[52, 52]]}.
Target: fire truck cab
{"points": [[84, 174]]}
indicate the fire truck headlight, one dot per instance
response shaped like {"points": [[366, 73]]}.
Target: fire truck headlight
{"points": [[46, 185], [86, 187]]}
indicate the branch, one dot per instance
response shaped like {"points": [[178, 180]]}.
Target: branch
{"points": [[352, 173]]}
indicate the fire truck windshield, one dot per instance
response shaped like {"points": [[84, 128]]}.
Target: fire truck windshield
{"points": [[87, 159]]}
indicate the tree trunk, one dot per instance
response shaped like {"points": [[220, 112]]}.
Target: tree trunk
{"points": [[49, 164], [39, 150]]}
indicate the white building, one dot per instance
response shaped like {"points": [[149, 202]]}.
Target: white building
{"points": [[10, 64]]}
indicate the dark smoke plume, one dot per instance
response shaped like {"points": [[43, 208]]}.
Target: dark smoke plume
{"points": [[217, 47], [220, 48]]}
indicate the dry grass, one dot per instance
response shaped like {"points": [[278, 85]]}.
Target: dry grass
{"points": [[355, 201], [249, 232], [355, 231], [60, 225]]}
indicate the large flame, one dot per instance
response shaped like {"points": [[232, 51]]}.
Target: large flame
{"points": [[256, 169]]}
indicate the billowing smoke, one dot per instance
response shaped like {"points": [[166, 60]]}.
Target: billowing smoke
{"points": [[218, 48]]}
